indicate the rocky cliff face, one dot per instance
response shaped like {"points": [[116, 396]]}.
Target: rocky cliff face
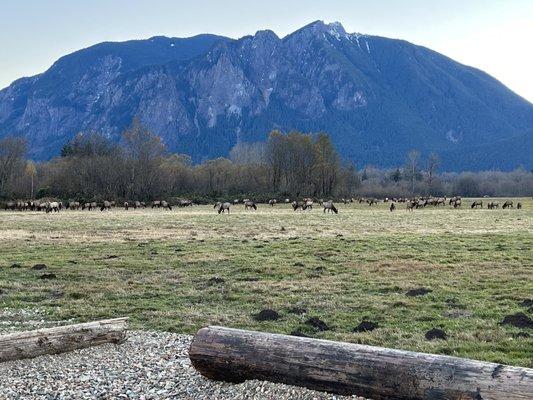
{"points": [[377, 97]]}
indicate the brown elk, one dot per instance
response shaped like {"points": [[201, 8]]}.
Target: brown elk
{"points": [[106, 206], [223, 207], [250, 205], [508, 204], [477, 203], [185, 203], [298, 205], [328, 205]]}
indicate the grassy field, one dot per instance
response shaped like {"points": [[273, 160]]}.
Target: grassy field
{"points": [[183, 269]]}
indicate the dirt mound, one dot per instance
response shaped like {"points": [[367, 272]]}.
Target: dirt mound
{"points": [[266, 315], [527, 303], [418, 292], [317, 323], [520, 320], [38, 267], [215, 281], [436, 333], [366, 326], [48, 275]]}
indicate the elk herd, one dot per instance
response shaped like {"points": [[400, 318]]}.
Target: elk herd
{"points": [[224, 207]]}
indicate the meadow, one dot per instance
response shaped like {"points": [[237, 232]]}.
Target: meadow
{"points": [[183, 269]]}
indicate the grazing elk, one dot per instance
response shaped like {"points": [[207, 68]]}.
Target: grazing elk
{"points": [[508, 204], [492, 205], [518, 206], [453, 200], [272, 202], [89, 206], [476, 204], [392, 207], [73, 205], [420, 204], [328, 205], [106, 205], [250, 205], [298, 205], [223, 207], [52, 206]]}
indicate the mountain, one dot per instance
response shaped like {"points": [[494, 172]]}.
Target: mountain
{"points": [[377, 97]]}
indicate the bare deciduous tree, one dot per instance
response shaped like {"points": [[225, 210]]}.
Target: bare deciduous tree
{"points": [[12, 160]]}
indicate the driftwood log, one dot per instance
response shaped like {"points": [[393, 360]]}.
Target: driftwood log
{"points": [[235, 355], [29, 344]]}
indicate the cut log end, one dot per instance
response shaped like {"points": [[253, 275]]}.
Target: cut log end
{"points": [[235, 355]]}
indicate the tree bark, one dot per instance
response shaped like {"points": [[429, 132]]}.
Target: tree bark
{"points": [[29, 344], [235, 355]]}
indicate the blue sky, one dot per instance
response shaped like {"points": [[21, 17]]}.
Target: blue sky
{"points": [[493, 35]]}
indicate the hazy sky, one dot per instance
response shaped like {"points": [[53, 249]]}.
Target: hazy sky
{"points": [[493, 35]]}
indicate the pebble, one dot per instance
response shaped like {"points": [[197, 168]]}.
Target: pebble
{"points": [[147, 366]]}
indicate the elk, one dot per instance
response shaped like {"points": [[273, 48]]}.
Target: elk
{"points": [[223, 207], [73, 205], [477, 203], [52, 206], [508, 204], [298, 204], [250, 205], [185, 203], [328, 205]]}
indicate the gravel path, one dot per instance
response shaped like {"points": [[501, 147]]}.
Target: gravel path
{"points": [[149, 365]]}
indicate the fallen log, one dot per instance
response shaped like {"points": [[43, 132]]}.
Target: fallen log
{"points": [[29, 344], [235, 355]]}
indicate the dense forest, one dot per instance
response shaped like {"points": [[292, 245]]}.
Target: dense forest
{"points": [[93, 167]]}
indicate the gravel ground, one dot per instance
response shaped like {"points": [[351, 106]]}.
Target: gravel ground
{"points": [[149, 365]]}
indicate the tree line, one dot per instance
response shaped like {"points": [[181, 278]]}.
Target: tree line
{"points": [[294, 165]]}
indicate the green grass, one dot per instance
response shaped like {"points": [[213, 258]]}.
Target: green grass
{"points": [[155, 267]]}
